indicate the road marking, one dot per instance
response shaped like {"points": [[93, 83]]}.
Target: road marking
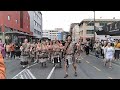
{"points": [[51, 72], [33, 77], [24, 70], [19, 73], [32, 65], [110, 77], [116, 64], [103, 61], [21, 76], [87, 62], [28, 75], [96, 68], [25, 75]]}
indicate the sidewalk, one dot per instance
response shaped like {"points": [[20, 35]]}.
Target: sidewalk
{"points": [[115, 62]]}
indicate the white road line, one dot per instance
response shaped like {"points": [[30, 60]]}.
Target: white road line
{"points": [[116, 64], [29, 77], [19, 73], [110, 77], [87, 62], [32, 65], [96, 68], [51, 72], [103, 59], [24, 70], [33, 77], [25, 75], [21, 76]]}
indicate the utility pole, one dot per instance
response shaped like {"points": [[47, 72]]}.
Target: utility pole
{"points": [[94, 26]]}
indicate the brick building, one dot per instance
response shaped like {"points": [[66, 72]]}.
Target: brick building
{"points": [[14, 26]]}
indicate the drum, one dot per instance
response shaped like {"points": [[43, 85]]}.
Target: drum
{"points": [[56, 57]]}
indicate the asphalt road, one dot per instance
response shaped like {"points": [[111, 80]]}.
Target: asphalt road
{"points": [[90, 68]]}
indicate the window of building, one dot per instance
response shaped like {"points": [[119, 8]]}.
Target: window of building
{"points": [[27, 26], [8, 17], [90, 32], [90, 24], [16, 21], [27, 18], [103, 23]]}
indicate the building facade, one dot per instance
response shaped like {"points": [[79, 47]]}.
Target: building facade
{"points": [[45, 33], [75, 31], [36, 23], [86, 27], [64, 35], [53, 34], [14, 26]]}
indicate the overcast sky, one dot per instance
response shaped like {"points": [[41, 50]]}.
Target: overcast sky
{"points": [[63, 19]]}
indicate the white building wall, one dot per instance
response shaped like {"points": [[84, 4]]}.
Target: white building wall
{"points": [[51, 34], [35, 16]]}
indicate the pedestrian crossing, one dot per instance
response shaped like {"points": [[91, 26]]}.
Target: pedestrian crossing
{"points": [[25, 74]]}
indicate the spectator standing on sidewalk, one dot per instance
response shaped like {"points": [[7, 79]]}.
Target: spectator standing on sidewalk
{"points": [[103, 48], [117, 49], [2, 48], [87, 47], [17, 51], [7, 47], [109, 54], [97, 48], [12, 47]]}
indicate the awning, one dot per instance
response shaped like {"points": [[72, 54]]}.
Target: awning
{"points": [[14, 32]]}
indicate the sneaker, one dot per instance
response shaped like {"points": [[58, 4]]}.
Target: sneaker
{"points": [[75, 74], [66, 75]]}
